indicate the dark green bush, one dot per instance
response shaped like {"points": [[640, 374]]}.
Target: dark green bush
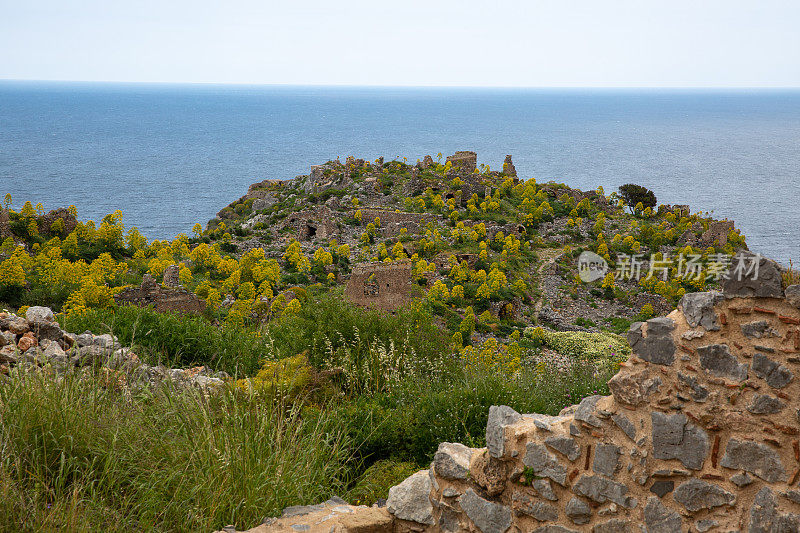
{"points": [[632, 194]]}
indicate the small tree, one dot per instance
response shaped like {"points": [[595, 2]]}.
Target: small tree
{"points": [[633, 194]]}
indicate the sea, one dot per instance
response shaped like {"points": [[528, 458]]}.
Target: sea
{"points": [[169, 156]]}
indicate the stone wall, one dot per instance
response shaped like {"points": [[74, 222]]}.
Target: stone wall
{"points": [[162, 298], [392, 222], [5, 230], [701, 433], [384, 286], [464, 161], [311, 224]]}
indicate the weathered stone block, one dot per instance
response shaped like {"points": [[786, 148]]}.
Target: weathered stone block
{"points": [[718, 360], [659, 518], [674, 438], [410, 500], [634, 388], [527, 504], [764, 404], [500, 416], [578, 511], [775, 374], [656, 345], [488, 517], [624, 423], [696, 494], [544, 463], [753, 276], [606, 459], [698, 308], [565, 446], [754, 457], [601, 490], [451, 461]]}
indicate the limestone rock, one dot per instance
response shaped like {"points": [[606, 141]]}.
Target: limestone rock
{"points": [[775, 374], [793, 295], [488, 517], [657, 346], [758, 329], [606, 459], [659, 518], [698, 392], [742, 479], [765, 517], [526, 504], [39, 315], [755, 458], [578, 511], [601, 490], [488, 473], [634, 388], [410, 500], [698, 308], [564, 445], [764, 404], [544, 463], [585, 411], [746, 280], [706, 524], [451, 461], [718, 360], [500, 416], [696, 494], [545, 490], [674, 438], [625, 425], [613, 526], [554, 529]]}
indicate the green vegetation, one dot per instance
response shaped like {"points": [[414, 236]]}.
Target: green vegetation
{"points": [[78, 456], [633, 195], [324, 398]]}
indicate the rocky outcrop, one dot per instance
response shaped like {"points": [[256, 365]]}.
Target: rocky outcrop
{"points": [[701, 433]]}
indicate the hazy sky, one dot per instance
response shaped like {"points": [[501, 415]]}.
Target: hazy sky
{"points": [[405, 42]]}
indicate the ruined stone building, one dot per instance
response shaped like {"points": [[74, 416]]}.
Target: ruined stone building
{"points": [[163, 298], [384, 286]]}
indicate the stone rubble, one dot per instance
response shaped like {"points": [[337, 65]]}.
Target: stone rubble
{"points": [[701, 433], [36, 342]]}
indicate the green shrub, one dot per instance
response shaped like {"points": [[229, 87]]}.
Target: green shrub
{"points": [[409, 423], [603, 348], [376, 481], [632, 194]]}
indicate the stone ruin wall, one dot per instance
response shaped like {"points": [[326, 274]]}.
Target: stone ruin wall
{"points": [[170, 297], [392, 222], [384, 286], [701, 433]]}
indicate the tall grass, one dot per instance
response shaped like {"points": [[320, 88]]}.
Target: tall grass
{"points": [[75, 456]]}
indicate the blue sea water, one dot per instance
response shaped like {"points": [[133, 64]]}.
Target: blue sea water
{"points": [[172, 155]]}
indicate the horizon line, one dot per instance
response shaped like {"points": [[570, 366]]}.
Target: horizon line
{"points": [[405, 86]]}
